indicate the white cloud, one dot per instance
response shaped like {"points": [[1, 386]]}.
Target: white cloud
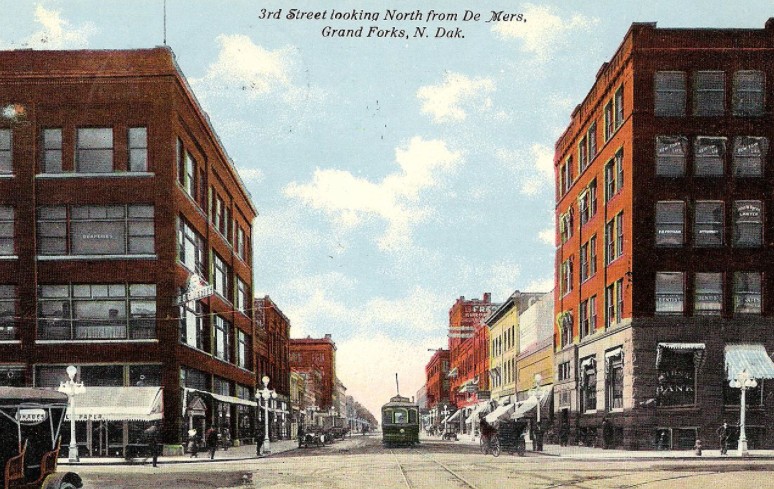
{"points": [[350, 200], [253, 175], [534, 168], [548, 236], [56, 32], [447, 102], [541, 285], [544, 31]]}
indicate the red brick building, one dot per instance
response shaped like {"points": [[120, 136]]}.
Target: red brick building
{"points": [[437, 384], [663, 265], [273, 327], [315, 358], [117, 199]]}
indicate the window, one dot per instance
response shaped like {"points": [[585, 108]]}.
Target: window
{"points": [[709, 94], [710, 154], [753, 397], [567, 276], [7, 231], [7, 312], [220, 215], [222, 339], [749, 155], [242, 295], [186, 171], [614, 379], [747, 293], [94, 150], [592, 138], [566, 224], [52, 150], [587, 202], [588, 384], [748, 223], [220, 277], [592, 314], [240, 243], [619, 169], [97, 311], [96, 230], [619, 300], [583, 155], [670, 293], [676, 378], [613, 303], [609, 180], [708, 224], [141, 375], [670, 155], [593, 255], [191, 248], [748, 93], [566, 176], [192, 318], [619, 108], [243, 350], [138, 149], [614, 238], [6, 152], [609, 128], [670, 223], [584, 319], [670, 93], [584, 262], [708, 291], [566, 331]]}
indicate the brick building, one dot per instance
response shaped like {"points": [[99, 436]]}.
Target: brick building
{"points": [[663, 267], [118, 201], [315, 358], [273, 329], [437, 384]]}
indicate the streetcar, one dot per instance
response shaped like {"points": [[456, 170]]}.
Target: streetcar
{"points": [[400, 422]]}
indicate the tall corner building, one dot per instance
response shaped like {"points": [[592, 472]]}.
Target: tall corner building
{"points": [[118, 208], [665, 241]]}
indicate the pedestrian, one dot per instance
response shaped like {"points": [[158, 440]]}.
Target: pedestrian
{"points": [[152, 437], [226, 438], [606, 432], [259, 434], [564, 434], [193, 443], [211, 439], [300, 434], [723, 433]]}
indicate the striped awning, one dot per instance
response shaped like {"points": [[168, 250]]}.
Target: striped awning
{"points": [[453, 416], [482, 406], [500, 412], [698, 350], [524, 407], [752, 358]]}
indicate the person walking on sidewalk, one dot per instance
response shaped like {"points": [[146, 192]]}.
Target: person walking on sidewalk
{"points": [[259, 434], [211, 439], [152, 437], [193, 443], [723, 433]]}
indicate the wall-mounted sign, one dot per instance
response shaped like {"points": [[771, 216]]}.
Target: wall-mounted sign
{"points": [[32, 416], [196, 289]]}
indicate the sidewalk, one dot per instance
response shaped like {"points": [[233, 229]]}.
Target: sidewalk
{"points": [[576, 452], [245, 452]]}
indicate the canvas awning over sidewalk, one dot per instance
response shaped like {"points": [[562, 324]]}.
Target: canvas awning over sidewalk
{"points": [[118, 404], [751, 357]]}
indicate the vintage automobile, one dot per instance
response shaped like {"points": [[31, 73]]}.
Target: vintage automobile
{"points": [[30, 423]]}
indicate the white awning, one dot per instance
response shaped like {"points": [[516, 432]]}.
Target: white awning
{"points": [[452, 373], [118, 404], [222, 398], [698, 350], [524, 407], [752, 358], [500, 412], [482, 406], [453, 416], [614, 352]]}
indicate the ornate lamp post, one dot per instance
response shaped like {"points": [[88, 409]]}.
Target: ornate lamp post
{"points": [[537, 391], [445, 413], [71, 388], [743, 381], [266, 394]]}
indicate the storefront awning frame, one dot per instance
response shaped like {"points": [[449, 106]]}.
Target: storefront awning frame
{"points": [[118, 403]]}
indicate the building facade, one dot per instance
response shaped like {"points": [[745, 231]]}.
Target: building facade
{"points": [[273, 328], [663, 266], [125, 244], [316, 359], [437, 385]]}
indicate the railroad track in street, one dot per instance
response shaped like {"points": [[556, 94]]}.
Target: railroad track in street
{"points": [[456, 481]]}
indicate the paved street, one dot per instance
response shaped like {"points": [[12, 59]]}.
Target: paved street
{"points": [[361, 462]]}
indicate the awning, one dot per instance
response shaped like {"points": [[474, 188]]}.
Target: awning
{"points": [[453, 416], [482, 406], [697, 348], [500, 412], [452, 373], [222, 398], [118, 404], [466, 386], [524, 407], [752, 358]]}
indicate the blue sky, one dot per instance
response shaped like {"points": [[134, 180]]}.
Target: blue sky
{"points": [[391, 175]]}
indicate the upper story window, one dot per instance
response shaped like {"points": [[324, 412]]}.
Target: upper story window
{"points": [[220, 277], [748, 95], [138, 149], [708, 298], [614, 303], [748, 223], [708, 223], [94, 150], [591, 136], [96, 230], [709, 94], [614, 175], [8, 302], [222, 340], [749, 155], [583, 155], [192, 326], [7, 231], [191, 248], [670, 155], [241, 296], [614, 237], [747, 293], [243, 350], [566, 176], [6, 153], [609, 120], [669, 93], [670, 223], [587, 202], [241, 249], [566, 224], [670, 292], [619, 107], [52, 150], [710, 153], [567, 276]]}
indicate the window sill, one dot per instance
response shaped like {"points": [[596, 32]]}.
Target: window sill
{"points": [[114, 174], [10, 342], [67, 342], [95, 257], [6, 176], [9, 257], [590, 411]]}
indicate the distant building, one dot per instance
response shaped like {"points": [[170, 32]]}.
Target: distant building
{"points": [[314, 357], [274, 329], [664, 242], [437, 385]]}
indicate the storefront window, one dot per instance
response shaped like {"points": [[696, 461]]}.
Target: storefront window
{"points": [[588, 384], [614, 380], [13, 376], [144, 375], [102, 375]]}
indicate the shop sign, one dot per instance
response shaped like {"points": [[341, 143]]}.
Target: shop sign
{"points": [[32, 416]]}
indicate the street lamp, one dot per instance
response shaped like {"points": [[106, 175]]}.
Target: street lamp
{"points": [[71, 388], [537, 391], [445, 413], [743, 381], [266, 394]]}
